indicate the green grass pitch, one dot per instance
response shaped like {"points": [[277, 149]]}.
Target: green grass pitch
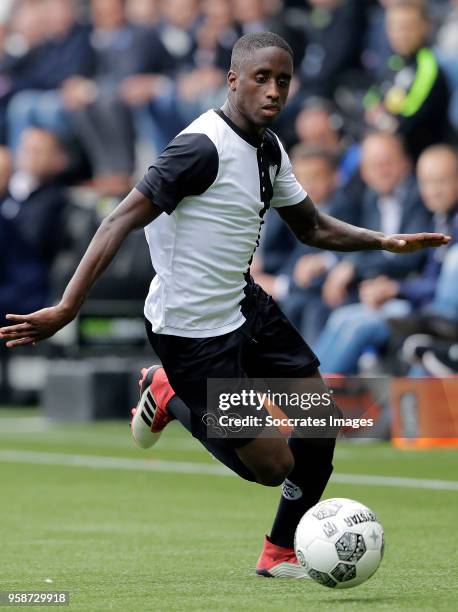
{"points": [[120, 536]]}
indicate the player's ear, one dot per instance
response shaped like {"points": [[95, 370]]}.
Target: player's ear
{"points": [[232, 80]]}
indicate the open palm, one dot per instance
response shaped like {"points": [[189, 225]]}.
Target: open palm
{"points": [[30, 328], [409, 243]]}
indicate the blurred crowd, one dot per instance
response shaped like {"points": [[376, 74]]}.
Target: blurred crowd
{"points": [[92, 90]]}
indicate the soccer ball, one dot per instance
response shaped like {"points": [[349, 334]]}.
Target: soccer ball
{"points": [[339, 542]]}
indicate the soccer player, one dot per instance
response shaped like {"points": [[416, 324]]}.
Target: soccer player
{"points": [[205, 317]]}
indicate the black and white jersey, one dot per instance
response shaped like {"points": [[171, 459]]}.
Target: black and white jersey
{"points": [[215, 183]]}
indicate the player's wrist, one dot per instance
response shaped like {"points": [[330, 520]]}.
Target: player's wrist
{"points": [[67, 310], [379, 240]]}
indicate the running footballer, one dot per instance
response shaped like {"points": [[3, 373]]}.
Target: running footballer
{"points": [[202, 203]]}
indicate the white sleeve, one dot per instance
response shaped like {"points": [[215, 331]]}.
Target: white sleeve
{"points": [[286, 188]]}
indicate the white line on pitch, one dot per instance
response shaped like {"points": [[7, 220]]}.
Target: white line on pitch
{"points": [[184, 467], [112, 463]]}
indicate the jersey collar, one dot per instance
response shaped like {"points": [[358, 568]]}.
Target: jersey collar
{"points": [[254, 141]]}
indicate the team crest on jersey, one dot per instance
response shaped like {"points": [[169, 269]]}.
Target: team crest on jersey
{"points": [[273, 169]]}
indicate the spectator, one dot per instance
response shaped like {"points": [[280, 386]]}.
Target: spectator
{"points": [[391, 203], [438, 180], [153, 95], [432, 293], [177, 31], [202, 83], [5, 175], [5, 170], [308, 266], [142, 12], [65, 53], [334, 29], [319, 125], [30, 214], [412, 97], [376, 48], [447, 37], [26, 29], [5, 10], [351, 329], [261, 15], [99, 106], [293, 273], [288, 23], [250, 15], [204, 86], [447, 51], [314, 168], [21, 54], [215, 35]]}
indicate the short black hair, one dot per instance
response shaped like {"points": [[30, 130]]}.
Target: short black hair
{"points": [[257, 40]]}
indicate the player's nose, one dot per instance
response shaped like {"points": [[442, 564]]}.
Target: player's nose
{"points": [[272, 93], [273, 96]]}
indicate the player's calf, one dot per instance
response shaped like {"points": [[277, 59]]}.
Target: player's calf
{"points": [[269, 459]]}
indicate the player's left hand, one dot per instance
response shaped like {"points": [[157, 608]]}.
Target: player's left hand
{"points": [[409, 243]]}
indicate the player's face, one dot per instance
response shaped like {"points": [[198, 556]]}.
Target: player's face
{"points": [[261, 86]]}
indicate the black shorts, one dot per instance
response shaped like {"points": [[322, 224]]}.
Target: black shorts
{"points": [[265, 346]]}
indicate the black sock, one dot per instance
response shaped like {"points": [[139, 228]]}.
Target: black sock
{"points": [[178, 409], [303, 487], [226, 455]]}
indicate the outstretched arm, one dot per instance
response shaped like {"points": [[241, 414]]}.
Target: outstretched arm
{"points": [[134, 212], [320, 230]]}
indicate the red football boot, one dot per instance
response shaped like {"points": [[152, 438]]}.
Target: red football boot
{"points": [[279, 562], [151, 416]]}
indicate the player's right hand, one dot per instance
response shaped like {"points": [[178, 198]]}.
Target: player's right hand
{"points": [[33, 327]]}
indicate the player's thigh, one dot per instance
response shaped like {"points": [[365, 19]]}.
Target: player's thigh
{"points": [[190, 363], [269, 459], [279, 351]]}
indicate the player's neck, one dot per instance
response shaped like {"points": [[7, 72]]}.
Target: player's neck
{"points": [[233, 113]]}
